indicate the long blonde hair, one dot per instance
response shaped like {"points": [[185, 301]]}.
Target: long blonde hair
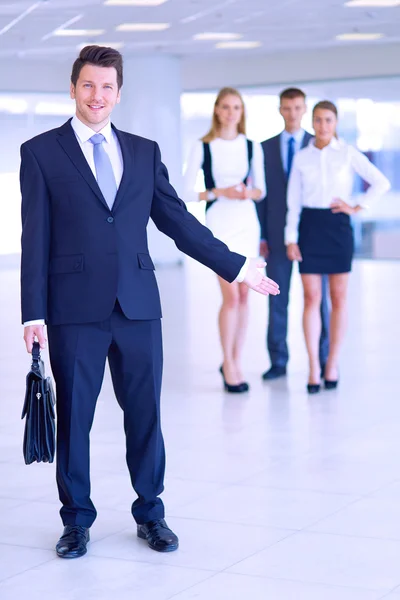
{"points": [[215, 124]]}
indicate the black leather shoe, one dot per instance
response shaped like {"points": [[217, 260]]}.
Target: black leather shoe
{"points": [[274, 373], [234, 389], [73, 542], [158, 535]]}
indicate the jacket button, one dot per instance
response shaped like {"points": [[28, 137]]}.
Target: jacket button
{"points": [[110, 220]]}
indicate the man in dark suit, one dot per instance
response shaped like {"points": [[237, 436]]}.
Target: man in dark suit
{"points": [[278, 155], [88, 191]]}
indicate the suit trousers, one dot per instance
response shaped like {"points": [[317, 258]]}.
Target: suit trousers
{"points": [[279, 268], [78, 356]]}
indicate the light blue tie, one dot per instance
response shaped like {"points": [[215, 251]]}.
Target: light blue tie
{"points": [[104, 171]]}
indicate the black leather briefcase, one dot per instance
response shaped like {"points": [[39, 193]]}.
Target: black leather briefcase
{"points": [[39, 435]]}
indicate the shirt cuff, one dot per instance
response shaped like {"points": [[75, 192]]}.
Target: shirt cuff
{"points": [[291, 237], [243, 271], [37, 322]]}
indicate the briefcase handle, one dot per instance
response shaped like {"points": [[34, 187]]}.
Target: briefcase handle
{"points": [[36, 352]]}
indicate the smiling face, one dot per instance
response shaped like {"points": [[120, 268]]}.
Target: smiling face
{"points": [[229, 111], [324, 123], [95, 93]]}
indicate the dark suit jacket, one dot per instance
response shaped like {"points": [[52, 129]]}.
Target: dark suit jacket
{"points": [[272, 209], [78, 257]]}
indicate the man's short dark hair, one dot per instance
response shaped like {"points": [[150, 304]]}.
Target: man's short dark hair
{"points": [[99, 56], [291, 93]]}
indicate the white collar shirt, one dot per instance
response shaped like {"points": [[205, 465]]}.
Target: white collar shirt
{"points": [[318, 177], [111, 145]]}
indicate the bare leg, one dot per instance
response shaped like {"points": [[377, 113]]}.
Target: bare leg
{"points": [[228, 323], [241, 329], [312, 323], [338, 285]]}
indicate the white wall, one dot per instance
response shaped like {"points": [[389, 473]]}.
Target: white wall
{"points": [[326, 64]]}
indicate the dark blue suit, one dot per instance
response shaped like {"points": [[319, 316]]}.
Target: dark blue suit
{"points": [[86, 269], [272, 214]]}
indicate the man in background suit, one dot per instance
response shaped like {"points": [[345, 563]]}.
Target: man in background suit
{"points": [[278, 156], [88, 191]]}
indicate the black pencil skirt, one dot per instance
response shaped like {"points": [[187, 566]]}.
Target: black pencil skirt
{"points": [[326, 242]]}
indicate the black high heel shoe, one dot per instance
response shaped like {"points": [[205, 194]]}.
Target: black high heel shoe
{"points": [[313, 388], [233, 389], [331, 384]]}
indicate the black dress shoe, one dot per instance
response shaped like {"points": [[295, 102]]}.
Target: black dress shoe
{"points": [[158, 535], [233, 389], [73, 542], [274, 373]]}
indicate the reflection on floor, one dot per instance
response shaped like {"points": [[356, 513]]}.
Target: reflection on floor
{"points": [[274, 495]]}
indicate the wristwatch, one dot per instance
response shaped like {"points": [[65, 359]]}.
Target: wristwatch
{"points": [[211, 195]]}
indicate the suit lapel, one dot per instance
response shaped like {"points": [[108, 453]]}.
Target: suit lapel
{"points": [[127, 157], [71, 146], [306, 138]]}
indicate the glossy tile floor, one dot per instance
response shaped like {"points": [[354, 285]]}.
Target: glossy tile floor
{"points": [[274, 494]]}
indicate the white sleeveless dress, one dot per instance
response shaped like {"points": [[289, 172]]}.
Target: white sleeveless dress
{"points": [[234, 222]]}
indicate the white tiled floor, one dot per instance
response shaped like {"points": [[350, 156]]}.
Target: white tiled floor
{"points": [[274, 494]]}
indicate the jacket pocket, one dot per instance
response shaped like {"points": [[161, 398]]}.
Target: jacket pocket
{"points": [[145, 261], [72, 263]]}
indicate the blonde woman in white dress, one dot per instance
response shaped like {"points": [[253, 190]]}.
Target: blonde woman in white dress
{"points": [[234, 178]]}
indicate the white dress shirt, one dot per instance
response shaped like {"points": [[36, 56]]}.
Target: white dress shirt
{"points": [[318, 177], [111, 145]]}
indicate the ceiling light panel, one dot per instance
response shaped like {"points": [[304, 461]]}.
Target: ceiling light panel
{"points": [[78, 32], [134, 2], [359, 37], [213, 36], [372, 3], [132, 27], [238, 45]]}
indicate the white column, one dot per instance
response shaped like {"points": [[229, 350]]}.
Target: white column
{"points": [[150, 107]]}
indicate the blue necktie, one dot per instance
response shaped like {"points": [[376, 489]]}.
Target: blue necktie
{"points": [[104, 171], [290, 154]]}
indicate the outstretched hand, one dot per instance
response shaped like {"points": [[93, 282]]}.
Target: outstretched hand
{"points": [[257, 281]]}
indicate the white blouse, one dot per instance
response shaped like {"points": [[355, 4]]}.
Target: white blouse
{"points": [[318, 177], [229, 166]]}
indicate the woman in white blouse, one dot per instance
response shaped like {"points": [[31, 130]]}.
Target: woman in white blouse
{"points": [[318, 230], [234, 177]]}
